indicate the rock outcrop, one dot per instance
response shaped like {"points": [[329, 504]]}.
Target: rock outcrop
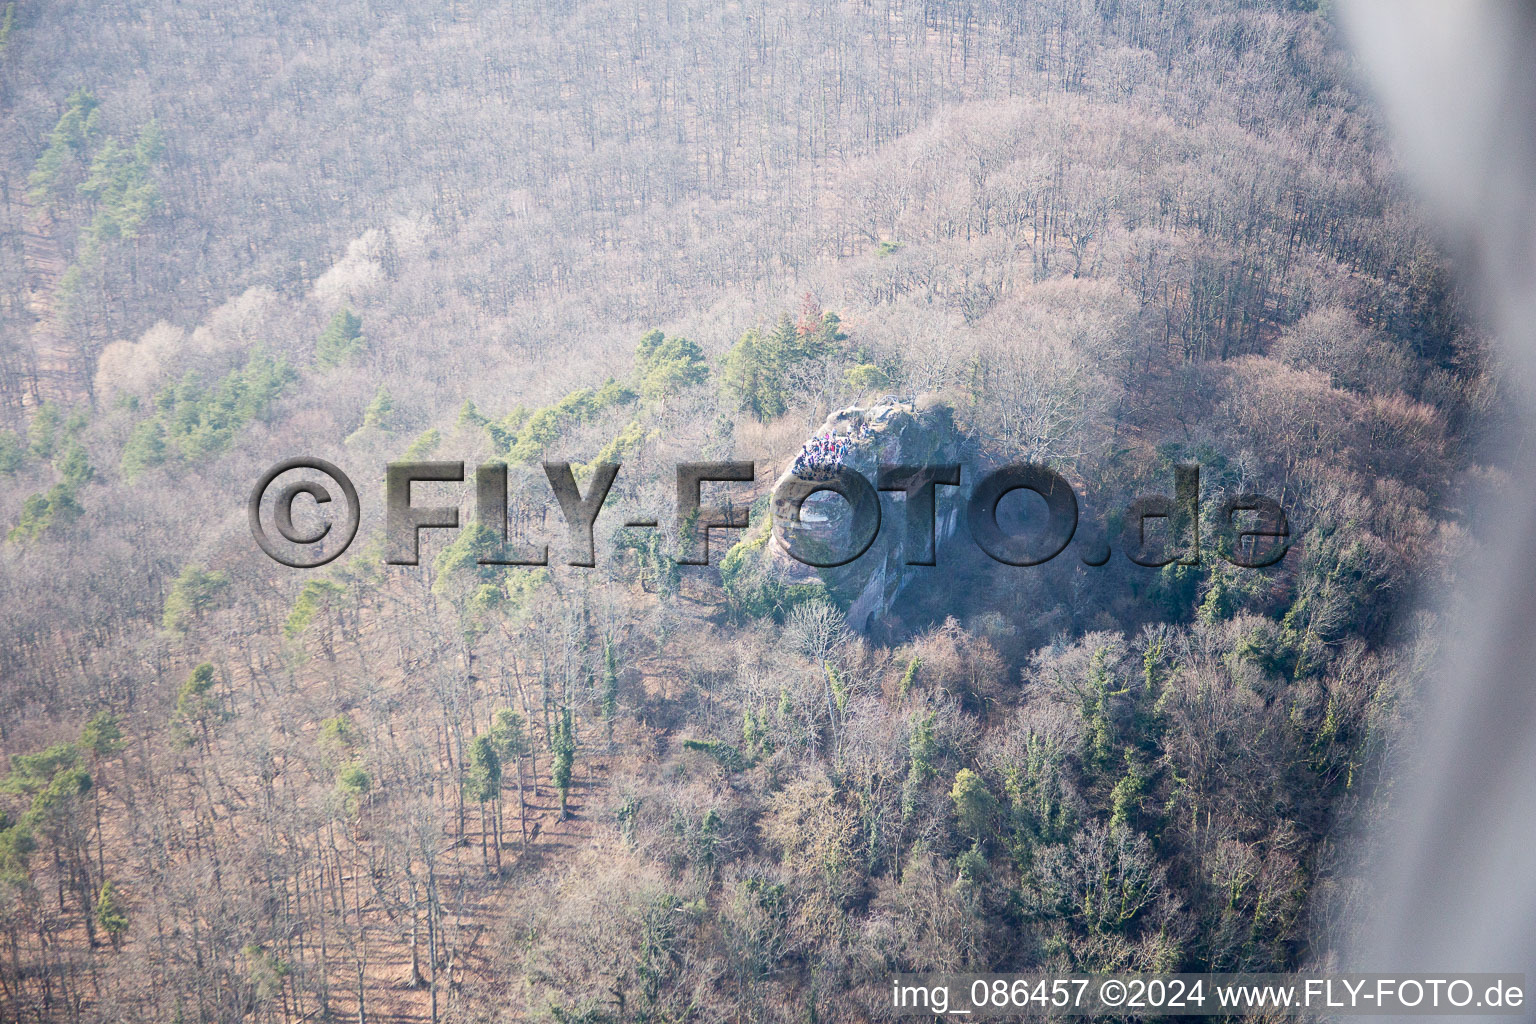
{"points": [[862, 438]]}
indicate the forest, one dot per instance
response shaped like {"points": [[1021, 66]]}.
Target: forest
{"points": [[1109, 237]]}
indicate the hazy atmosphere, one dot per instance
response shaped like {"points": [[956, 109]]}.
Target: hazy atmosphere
{"points": [[1110, 238]]}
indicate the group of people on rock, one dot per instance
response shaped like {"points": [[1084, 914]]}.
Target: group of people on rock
{"points": [[821, 456]]}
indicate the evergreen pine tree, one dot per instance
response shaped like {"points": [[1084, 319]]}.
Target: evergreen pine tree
{"points": [[341, 340], [111, 915]]}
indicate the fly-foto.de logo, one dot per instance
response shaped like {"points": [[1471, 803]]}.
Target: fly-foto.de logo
{"points": [[825, 520]]}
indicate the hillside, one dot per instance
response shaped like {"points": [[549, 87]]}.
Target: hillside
{"points": [[1111, 238]]}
